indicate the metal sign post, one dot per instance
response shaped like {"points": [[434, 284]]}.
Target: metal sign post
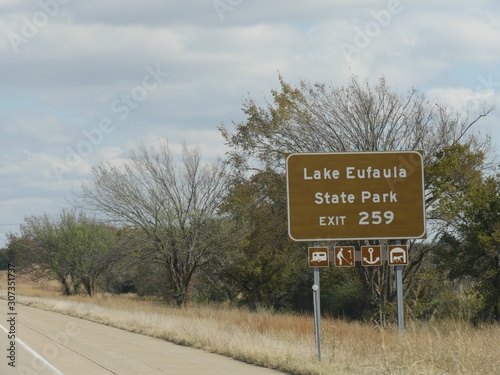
{"points": [[399, 289], [318, 257], [317, 311]]}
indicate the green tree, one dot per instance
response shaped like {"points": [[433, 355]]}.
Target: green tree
{"points": [[451, 174], [471, 249], [72, 248], [343, 294], [4, 259], [263, 262]]}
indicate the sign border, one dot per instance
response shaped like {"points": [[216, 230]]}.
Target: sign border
{"points": [[417, 152]]}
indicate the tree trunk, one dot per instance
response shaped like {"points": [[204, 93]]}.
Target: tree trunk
{"points": [[88, 286], [66, 288], [496, 288]]}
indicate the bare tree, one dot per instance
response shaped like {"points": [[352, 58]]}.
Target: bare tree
{"points": [[355, 117], [175, 202]]}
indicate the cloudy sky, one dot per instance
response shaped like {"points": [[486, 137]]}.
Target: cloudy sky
{"points": [[82, 82]]}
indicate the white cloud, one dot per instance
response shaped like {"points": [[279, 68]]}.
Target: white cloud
{"points": [[40, 129], [459, 98]]}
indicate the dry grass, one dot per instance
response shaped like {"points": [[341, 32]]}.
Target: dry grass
{"points": [[286, 341]]}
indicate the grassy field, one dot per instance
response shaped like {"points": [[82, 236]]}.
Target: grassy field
{"points": [[286, 341]]}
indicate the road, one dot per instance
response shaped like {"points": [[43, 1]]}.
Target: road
{"points": [[49, 343]]}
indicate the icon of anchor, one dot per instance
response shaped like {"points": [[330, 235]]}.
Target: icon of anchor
{"points": [[371, 260]]}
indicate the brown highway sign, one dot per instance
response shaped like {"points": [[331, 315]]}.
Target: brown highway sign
{"points": [[318, 257], [371, 256], [397, 255], [344, 256], [355, 195]]}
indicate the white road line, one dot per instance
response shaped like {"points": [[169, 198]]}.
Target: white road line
{"points": [[54, 370]]}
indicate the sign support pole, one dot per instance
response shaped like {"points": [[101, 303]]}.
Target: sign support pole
{"points": [[399, 290], [318, 257], [317, 311], [399, 286]]}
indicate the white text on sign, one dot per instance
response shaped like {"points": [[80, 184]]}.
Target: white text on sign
{"points": [[353, 172], [355, 195]]}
